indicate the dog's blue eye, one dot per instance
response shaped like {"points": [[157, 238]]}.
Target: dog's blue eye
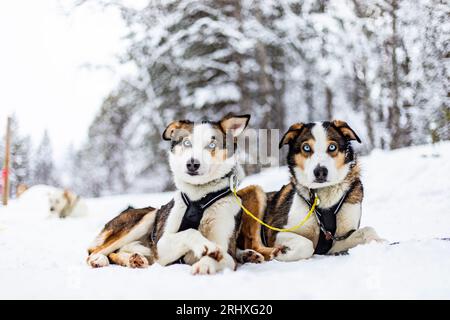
{"points": [[306, 148], [332, 147], [212, 145], [187, 143]]}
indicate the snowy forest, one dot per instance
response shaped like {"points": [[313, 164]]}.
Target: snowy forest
{"points": [[381, 65]]}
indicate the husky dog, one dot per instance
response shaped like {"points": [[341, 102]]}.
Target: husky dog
{"points": [[64, 203], [321, 163], [199, 226], [21, 189]]}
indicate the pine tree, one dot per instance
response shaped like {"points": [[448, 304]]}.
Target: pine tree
{"points": [[68, 168], [44, 169], [429, 70], [103, 159], [379, 64], [192, 58], [20, 170]]}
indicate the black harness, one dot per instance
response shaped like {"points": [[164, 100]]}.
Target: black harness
{"points": [[326, 219], [194, 213], [195, 209]]}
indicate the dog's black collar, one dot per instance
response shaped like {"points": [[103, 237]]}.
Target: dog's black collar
{"points": [[326, 218]]}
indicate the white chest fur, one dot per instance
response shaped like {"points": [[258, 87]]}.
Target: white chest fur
{"points": [[298, 211], [219, 221]]}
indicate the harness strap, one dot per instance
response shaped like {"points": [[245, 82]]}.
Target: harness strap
{"points": [[195, 209], [326, 219], [263, 235], [345, 236]]}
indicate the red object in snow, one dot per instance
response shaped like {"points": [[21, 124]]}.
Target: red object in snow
{"points": [[3, 179], [4, 173]]}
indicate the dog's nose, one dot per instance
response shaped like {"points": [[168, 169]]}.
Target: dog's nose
{"points": [[52, 209], [321, 173], [192, 165]]}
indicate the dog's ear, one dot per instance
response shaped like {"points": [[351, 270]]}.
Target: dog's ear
{"points": [[291, 134], [345, 129], [171, 130], [235, 124], [68, 195]]}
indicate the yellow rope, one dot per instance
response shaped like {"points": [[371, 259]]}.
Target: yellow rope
{"points": [[313, 207]]}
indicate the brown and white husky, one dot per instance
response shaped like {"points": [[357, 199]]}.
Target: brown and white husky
{"points": [[321, 162], [199, 226]]}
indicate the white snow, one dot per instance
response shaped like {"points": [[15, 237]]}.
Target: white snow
{"points": [[406, 199]]}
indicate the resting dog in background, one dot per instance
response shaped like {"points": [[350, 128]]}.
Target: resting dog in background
{"points": [[199, 226], [321, 162], [21, 189], [64, 203]]}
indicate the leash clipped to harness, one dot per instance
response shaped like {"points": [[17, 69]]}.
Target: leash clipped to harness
{"points": [[326, 219], [233, 185]]}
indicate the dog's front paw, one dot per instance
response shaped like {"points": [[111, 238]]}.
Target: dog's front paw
{"points": [[98, 260], [137, 260], [204, 266], [209, 249], [251, 256], [215, 253], [277, 250]]}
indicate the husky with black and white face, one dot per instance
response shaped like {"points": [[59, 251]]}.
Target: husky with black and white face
{"points": [[202, 159], [321, 162], [322, 157]]}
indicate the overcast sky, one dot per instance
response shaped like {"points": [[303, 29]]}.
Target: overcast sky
{"points": [[42, 78]]}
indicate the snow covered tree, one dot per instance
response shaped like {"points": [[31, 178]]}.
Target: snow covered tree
{"points": [[104, 159], [427, 40], [401, 71], [379, 64], [43, 163], [197, 60], [20, 165], [68, 168]]}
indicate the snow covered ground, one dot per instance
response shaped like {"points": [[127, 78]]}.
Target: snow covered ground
{"points": [[407, 199]]}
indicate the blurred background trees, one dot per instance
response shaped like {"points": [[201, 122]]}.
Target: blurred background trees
{"points": [[381, 65], [43, 167], [21, 170], [29, 165]]}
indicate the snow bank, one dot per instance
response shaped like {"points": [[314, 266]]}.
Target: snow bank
{"points": [[406, 199]]}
